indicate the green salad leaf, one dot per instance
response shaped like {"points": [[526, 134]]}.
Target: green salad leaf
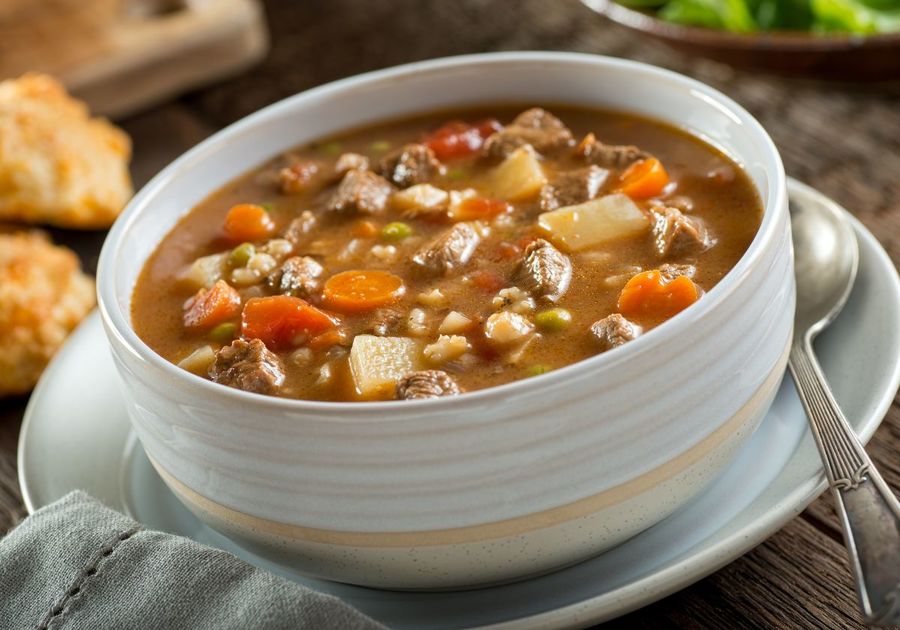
{"points": [[730, 15], [852, 16], [746, 16]]}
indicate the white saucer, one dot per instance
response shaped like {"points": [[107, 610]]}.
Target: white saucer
{"points": [[76, 435]]}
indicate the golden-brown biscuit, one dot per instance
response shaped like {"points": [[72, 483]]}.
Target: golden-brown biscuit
{"points": [[43, 296], [57, 164]]}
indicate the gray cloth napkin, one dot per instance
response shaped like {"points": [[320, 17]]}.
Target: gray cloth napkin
{"points": [[77, 564]]}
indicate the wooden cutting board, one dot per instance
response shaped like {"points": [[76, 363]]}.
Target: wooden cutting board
{"points": [[152, 51]]}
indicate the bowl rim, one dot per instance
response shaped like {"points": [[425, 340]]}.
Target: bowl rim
{"points": [[784, 41], [118, 325]]}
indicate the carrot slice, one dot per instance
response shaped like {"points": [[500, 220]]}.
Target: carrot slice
{"points": [[209, 307], [358, 291], [648, 296], [644, 179], [282, 321], [247, 222], [476, 208]]}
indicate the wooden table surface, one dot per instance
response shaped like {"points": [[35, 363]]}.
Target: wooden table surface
{"points": [[842, 139]]}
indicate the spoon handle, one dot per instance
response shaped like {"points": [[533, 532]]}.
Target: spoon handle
{"points": [[869, 511]]}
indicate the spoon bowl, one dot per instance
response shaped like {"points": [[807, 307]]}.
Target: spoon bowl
{"points": [[826, 259]]}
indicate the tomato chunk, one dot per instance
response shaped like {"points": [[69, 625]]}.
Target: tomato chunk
{"points": [[247, 222], [647, 295], [207, 308], [281, 321], [476, 208], [458, 139]]}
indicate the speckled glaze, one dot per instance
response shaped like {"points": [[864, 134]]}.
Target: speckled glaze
{"points": [[493, 485]]}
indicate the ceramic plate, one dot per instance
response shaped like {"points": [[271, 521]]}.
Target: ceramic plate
{"points": [[76, 435]]}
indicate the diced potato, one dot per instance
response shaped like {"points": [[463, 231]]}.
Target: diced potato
{"points": [[377, 363], [454, 322], [592, 223], [507, 328], [420, 199], [518, 177], [446, 348], [205, 271], [199, 360]]}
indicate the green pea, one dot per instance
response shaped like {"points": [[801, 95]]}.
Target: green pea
{"points": [[553, 319], [380, 146], [240, 255], [396, 231], [267, 207], [457, 173], [331, 148], [538, 369], [223, 333]]}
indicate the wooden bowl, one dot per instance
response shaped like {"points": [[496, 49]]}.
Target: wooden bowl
{"points": [[835, 57]]}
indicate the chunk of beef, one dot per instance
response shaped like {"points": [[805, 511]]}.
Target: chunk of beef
{"points": [[300, 228], [350, 161], [298, 177], [386, 321], [537, 127], [248, 365], [410, 165], [609, 155], [361, 191], [573, 187], [297, 276], [544, 272], [449, 251], [670, 271], [677, 235], [426, 384], [614, 330]]}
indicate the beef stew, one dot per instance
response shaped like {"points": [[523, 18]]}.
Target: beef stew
{"points": [[423, 258]]}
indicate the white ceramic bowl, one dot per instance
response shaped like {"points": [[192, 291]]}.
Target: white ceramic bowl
{"points": [[492, 485]]}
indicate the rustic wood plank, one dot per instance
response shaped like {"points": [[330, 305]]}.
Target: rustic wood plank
{"points": [[797, 579]]}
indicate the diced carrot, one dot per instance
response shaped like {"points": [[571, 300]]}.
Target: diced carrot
{"points": [[364, 229], [329, 338], [282, 321], [647, 295], [475, 208], [459, 139], [209, 307], [488, 281], [361, 290], [644, 179], [247, 222]]}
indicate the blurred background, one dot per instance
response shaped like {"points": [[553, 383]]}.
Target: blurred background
{"points": [[171, 72]]}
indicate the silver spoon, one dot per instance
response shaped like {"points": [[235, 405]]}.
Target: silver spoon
{"points": [[826, 258]]}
